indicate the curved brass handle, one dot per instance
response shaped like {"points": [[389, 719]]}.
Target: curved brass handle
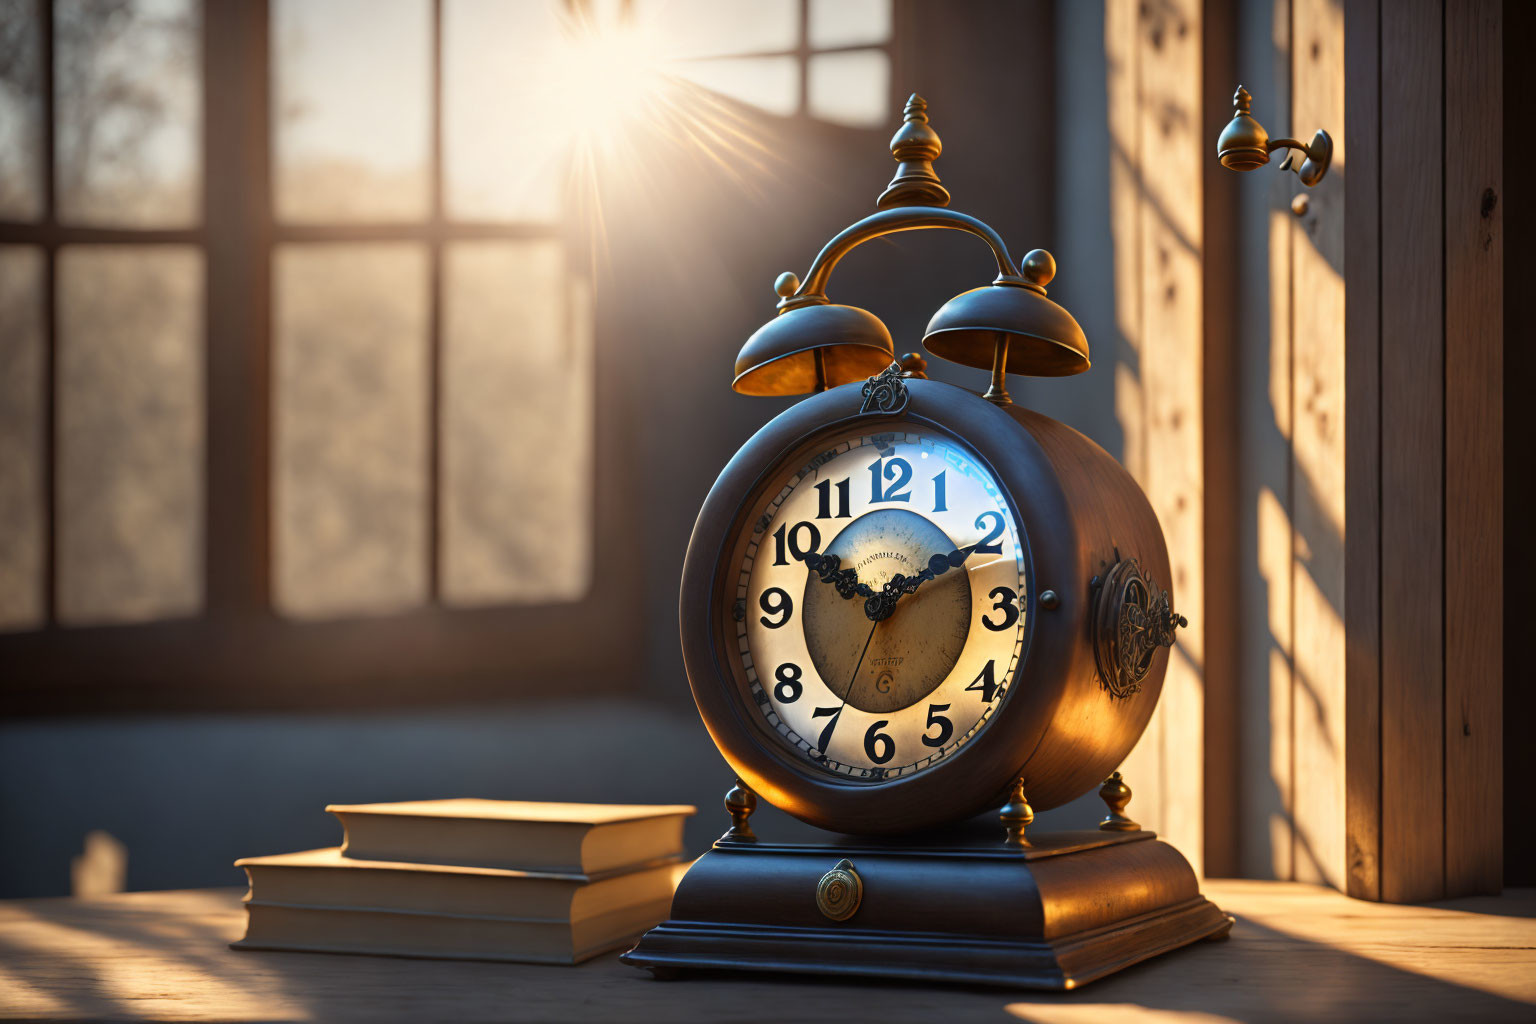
{"points": [[889, 222]]}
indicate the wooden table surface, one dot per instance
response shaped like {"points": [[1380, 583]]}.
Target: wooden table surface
{"points": [[1297, 953]]}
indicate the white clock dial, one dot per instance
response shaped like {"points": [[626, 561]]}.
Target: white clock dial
{"points": [[890, 658]]}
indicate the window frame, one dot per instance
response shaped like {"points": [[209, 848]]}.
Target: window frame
{"points": [[239, 652]]}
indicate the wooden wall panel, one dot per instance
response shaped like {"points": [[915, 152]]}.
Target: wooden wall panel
{"points": [[1317, 446], [1143, 766], [1424, 549], [1173, 372], [1474, 498], [1369, 578], [1264, 566], [1412, 433], [1362, 416], [1155, 59]]}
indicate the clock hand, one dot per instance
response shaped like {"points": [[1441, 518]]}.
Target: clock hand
{"points": [[883, 605], [826, 735], [826, 568]]}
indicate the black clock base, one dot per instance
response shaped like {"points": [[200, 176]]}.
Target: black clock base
{"points": [[1074, 907]]}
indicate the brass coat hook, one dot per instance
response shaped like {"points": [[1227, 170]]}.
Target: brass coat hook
{"points": [[1244, 145]]}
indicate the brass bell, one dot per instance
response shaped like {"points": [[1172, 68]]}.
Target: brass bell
{"points": [[1243, 144], [1037, 337], [811, 345]]}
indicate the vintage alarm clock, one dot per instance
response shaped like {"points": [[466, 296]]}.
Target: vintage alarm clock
{"points": [[904, 603]]}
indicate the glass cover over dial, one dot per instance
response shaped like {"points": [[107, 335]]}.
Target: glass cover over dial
{"points": [[879, 606]]}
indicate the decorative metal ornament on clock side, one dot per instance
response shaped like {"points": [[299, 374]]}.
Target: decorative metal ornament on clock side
{"points": [[905, 603]]}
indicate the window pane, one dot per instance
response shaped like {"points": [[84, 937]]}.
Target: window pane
{"points": [[848, 22], [130, 421], [850, 88], [350, 466], [21, 112], [21, 438], [517, 425], [505, 119], [352, 100], [707, 28], [771, 83], [129, 112]]}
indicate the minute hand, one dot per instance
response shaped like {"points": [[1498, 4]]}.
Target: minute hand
{"points": [[882, 605]]}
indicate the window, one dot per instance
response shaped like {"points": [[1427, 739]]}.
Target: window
{"points": [[829, 59], [300, 396], [431, 338], [101, 298]]}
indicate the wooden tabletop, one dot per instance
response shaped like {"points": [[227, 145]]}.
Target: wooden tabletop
{"points": [[1297, 953]]}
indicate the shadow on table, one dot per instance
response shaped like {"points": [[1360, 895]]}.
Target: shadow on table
{"points": [[165, 955]]}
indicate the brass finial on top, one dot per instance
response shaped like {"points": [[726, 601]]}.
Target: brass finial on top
{"points": [[915, 147], [1242, 100], [1116, 794]]}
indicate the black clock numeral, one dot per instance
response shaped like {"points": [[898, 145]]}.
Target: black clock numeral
{"points": [[898, 471], [787, 691], [788, 537], [775, 601], [946, 727], [1007, 603], [824, 500], [879, 747], [986, 682], [826, 734], [938, 492], [987, 545]]}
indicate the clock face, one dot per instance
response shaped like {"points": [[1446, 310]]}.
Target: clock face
{"points": [[879, 605]]}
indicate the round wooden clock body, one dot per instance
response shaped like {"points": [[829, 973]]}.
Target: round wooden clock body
{"points": [[861, 701]]}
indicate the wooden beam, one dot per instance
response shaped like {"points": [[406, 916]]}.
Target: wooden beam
{"points": [[1317, 453], [1474, 450], [1412, 439], [238, 400], [1362, 447], [1221, 457]]}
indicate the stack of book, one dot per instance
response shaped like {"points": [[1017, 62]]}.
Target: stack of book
{"points": [[472, 879]]}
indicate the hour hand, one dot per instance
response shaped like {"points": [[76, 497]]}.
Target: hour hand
{"points": [[827, 569]]}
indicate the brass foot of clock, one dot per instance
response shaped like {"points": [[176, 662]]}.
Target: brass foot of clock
{"points": [[905, 602]]}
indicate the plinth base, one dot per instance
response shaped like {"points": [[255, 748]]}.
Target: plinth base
{"points": [[1073, 907]]}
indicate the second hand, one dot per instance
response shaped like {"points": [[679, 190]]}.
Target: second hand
{"points": [[851, 680]]}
